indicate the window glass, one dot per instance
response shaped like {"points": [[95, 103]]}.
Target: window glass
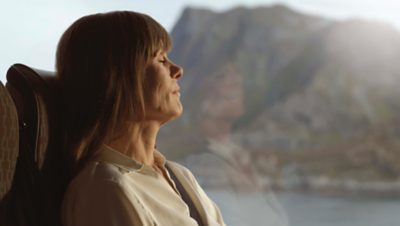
{"points": [[291, 113]]}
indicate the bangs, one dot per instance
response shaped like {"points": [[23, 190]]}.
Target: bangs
{"points": [[158, 37]]}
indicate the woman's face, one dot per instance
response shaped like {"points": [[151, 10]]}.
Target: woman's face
{"points": [[161, 90]]}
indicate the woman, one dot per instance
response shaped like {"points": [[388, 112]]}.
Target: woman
{"points": [[119, 88]]}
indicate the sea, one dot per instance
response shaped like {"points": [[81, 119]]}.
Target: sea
{"points": [[308, 209]]}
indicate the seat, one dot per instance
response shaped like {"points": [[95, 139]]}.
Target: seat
{"points": [[39, 176], [9, 147], [8, 140]]}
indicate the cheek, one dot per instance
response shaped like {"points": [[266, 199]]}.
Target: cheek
{"points": [[157, 95], [153, 94]]}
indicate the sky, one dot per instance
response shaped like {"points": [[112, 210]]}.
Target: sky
{"points": [[30, 29]]}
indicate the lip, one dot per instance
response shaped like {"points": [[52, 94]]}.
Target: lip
{"points": [[177, 92]]}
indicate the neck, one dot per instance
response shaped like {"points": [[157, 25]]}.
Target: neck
{"points": [[138, 142], [219, 130]]}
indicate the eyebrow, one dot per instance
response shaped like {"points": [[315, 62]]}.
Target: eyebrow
{"points": [[160, 52]]}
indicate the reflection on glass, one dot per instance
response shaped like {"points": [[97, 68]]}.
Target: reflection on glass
{"points": [[224, 168]]}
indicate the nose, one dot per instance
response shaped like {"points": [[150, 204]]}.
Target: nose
{"points": [[176, 71]]}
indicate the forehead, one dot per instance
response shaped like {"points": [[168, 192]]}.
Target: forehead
{"points": [[160, 52]]}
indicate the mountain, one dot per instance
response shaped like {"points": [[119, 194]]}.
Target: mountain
{"points": [[307, 86]]}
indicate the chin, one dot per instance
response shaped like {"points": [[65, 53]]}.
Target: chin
{"points": [[173, 116], [177, 114]]}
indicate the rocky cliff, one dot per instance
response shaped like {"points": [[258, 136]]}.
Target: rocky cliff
{"points": [[319, 95]]}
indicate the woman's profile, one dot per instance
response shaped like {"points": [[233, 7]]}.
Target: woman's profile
{"points": [[119, 88]]}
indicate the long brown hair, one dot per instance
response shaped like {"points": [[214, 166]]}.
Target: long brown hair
{"points": [[100, 61]]}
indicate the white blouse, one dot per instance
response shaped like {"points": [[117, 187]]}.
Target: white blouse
{"points": [[115, 190]]}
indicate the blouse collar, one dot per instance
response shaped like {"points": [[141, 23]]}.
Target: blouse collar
{"points": [[110, 155]]}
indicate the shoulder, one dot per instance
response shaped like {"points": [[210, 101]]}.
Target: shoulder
{"points": [[97, 189], [100, 171], [98, 176]]}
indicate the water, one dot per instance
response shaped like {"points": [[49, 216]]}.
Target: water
{"points": [[315, 210]]}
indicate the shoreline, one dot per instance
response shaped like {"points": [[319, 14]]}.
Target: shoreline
{"points": [[324, 185]]}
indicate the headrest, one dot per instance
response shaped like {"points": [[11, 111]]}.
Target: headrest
{"points": [[34, 94]]}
